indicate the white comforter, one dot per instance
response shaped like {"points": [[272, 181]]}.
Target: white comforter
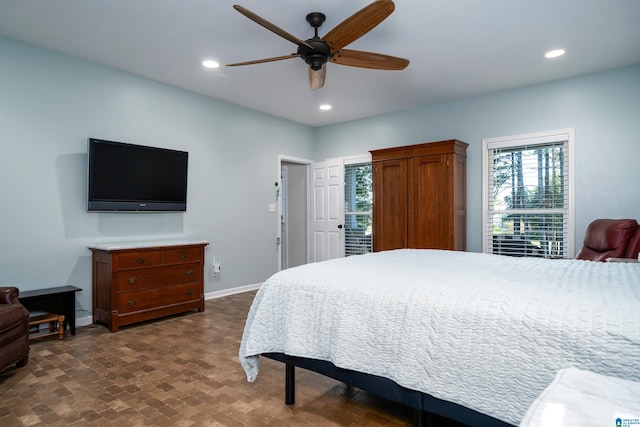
{"points": [[484, 331]]}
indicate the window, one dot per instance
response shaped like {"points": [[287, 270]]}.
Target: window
{"points": [[358, 201], [528, 195]]}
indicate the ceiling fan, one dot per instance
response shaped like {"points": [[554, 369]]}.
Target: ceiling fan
{"points": [[317, 51]]}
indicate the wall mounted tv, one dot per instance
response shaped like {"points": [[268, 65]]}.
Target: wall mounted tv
{"points": [[135, 178]]}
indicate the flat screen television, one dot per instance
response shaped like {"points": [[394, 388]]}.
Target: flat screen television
{"points": [[135, 178]]}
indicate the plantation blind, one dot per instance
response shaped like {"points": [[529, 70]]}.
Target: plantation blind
{"points": [[358, 205], [528, 210]]}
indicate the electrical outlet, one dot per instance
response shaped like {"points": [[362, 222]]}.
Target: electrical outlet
{"points": [[216, 265]]}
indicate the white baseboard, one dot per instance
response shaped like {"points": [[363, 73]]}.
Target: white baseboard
{"points": [[232, 291], [83, 321], [88, 320]]}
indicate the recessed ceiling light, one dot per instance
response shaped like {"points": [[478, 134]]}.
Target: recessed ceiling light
{"points": [[325, 107], [554, 53], [210, 64]]}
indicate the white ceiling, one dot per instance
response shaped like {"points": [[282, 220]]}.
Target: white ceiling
{"points": [[457, 48]]}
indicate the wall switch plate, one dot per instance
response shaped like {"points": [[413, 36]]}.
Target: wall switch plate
{"points": [[272, 207]]}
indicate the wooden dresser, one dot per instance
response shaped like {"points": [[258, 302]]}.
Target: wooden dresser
{"points": [[137, 282], [419, 196]]}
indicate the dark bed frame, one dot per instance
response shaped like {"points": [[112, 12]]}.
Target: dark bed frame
{"points": [[424, 404]]}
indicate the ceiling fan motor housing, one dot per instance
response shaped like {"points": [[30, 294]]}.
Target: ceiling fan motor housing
{"points": [[316, 57]]}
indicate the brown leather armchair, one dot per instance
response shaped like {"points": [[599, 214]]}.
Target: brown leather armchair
{"points": [[14, 329], [634, 246], [611, 238]]}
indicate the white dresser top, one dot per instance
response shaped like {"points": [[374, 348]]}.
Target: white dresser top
{"points": [[144, 245]]}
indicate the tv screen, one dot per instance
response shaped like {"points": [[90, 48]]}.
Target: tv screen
{"points": [[135, 178]]}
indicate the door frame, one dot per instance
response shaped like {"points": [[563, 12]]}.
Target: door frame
{"points": [[283, 158]]}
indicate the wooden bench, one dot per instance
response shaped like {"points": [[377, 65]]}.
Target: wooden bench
{"points": [[60, 300]]}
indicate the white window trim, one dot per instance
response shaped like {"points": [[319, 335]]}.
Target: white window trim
{"points": [[531, 139], [357, 158]]}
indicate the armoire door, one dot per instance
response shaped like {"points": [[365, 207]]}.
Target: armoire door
{"points": [[430, 205], [389, 205]]}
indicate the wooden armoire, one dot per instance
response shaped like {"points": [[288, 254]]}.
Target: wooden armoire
{"points": [[419, 196]]}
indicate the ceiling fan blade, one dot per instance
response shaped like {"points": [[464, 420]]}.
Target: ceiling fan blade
{"points": [[260, 61], [378, 61], [269, 26], [316, 78], [358, 24]]}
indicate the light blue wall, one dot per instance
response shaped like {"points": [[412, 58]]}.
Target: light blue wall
{"points": [[50, 104], [603, 108]]}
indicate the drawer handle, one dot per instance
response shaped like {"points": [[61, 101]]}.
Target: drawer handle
{"points": [[183, 255], [141, 260], [189, 292], [132, 301], [189, 272], [133, 279]]}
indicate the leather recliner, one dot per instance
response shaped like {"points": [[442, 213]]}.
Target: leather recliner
{"points": [[611, 238], [14, 329], [634, 246]]}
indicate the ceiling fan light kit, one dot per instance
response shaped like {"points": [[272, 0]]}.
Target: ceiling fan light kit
{"points": [[317, 51]]}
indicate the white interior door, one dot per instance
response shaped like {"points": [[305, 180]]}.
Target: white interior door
{"points": [[327, 210]]}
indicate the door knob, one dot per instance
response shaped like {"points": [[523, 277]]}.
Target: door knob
{"points": [[339, 225]]}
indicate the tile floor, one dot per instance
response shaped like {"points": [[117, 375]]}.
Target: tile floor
{"points": [[177, 371]]}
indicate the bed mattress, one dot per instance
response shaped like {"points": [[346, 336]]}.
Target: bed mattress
{"points": [[484, 331]]}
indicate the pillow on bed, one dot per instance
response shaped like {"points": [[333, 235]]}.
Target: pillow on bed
{"points": [[607, 238]]}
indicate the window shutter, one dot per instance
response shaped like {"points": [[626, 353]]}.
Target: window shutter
{"points": [[528, 198]]}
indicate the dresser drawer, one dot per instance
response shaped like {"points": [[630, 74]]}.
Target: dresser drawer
{"points": [[139, 259], [177, 256], [143, 278], [152, 298]]}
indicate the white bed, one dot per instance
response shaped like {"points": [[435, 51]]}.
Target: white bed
{"points": [[483, 331]]}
